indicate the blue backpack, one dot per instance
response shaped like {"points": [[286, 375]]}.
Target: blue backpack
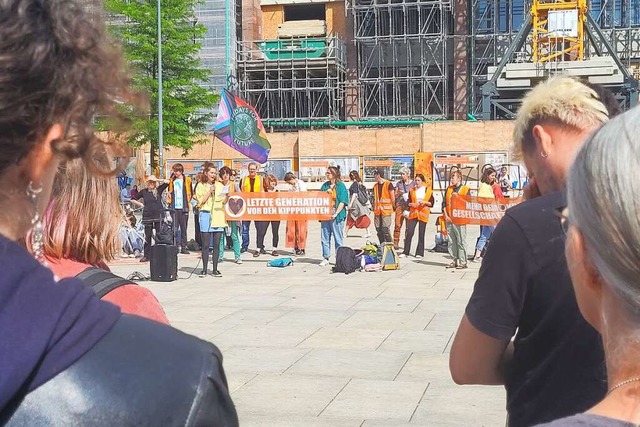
{"points": [[280, 262]]}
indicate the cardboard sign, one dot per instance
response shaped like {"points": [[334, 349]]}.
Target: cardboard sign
{"points": [[280, 206], [479, 210]]}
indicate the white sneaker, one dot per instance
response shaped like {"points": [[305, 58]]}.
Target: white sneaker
{"points": [[238, 261], [324, 263], [419, 257], [402, 255], [477, 260]]}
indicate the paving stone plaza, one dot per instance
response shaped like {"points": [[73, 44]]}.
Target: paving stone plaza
{"points": [[305, 347]]}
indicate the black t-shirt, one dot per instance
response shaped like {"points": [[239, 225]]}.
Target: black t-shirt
{"points": [[152, 205], [558, 364]]}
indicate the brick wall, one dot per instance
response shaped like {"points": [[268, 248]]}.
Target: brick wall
{"points": [[436, 137]]}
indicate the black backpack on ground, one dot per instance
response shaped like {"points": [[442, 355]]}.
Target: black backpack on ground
{"points": [[101, 281], [346, 261]]}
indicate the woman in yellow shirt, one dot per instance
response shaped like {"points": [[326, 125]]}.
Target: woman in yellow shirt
{"points": [[211, 199]]}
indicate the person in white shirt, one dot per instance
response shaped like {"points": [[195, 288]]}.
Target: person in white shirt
{"points": [[125, 194]]}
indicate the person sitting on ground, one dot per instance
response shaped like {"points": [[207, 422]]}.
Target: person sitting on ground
{"points": [[419, 202], [358, 208], [66, 357], [602, 238], [524, 288], [81, 227], [296, 235], [457, 233], [152, 210], [270, 183]]}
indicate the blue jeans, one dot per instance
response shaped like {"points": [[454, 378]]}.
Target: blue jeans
{"points": [[485, 233], [245, 234], [328, 228]]}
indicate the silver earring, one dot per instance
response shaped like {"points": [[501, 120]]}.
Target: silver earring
{"points": [[544, 155], [37, 235]]}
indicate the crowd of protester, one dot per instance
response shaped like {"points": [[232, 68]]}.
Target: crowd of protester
{"points": [[554, 314]]}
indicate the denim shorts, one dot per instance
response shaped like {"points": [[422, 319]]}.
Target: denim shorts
{"points": [[205, 223]]}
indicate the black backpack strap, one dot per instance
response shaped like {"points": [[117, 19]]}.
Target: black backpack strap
{"points": [[101, 281]]}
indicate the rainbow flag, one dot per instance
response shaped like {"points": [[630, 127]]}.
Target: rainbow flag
{"points": [[239, 126]]}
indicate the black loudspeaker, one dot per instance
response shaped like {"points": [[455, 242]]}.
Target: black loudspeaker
{"points": [[164, 263]]}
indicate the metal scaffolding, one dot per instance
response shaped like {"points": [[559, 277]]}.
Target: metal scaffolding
{"points": [[402, 58], [293, 81], [501, 35]]}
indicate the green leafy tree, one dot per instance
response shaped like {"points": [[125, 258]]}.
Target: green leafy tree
{"points": [[186, 104]]}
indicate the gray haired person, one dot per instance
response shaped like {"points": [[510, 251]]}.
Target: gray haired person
{"points": [[603, 237], [403, 186]]}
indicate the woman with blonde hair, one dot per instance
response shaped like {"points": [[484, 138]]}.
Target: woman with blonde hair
{"points": [[81, 227], [68, 358], [489, 189]]}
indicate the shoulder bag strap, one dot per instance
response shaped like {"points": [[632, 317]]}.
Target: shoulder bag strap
{"points": [[101, 281]]}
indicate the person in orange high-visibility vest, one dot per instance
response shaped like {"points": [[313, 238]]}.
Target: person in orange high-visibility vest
{"points": [[251, 183], [457, 233], [383, 206], [420, 203]]}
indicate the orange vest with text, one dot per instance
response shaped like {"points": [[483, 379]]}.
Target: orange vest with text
{"points": [[382, 203], [257, 185], [421, 212], [464, 190]]}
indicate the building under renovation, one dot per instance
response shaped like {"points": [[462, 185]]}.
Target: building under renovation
{"points": [[306, 63]]}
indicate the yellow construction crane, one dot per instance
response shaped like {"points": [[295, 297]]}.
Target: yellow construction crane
{"points": [[558, 30]]}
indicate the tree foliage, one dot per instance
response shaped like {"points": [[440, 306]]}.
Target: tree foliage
{"points": [[187, 106]]}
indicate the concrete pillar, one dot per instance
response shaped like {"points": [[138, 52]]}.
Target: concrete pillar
{"points": [[460, 59], [351, 90]]}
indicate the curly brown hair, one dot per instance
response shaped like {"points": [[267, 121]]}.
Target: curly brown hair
{"points": [[58, 66]]}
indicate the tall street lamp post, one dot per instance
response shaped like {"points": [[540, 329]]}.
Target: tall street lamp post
{"points": [[160, 136]]}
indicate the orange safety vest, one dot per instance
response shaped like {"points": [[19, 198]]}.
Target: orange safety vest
{"points": [[382, 203], [422, 212], [257, 185], [464, 190]]}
